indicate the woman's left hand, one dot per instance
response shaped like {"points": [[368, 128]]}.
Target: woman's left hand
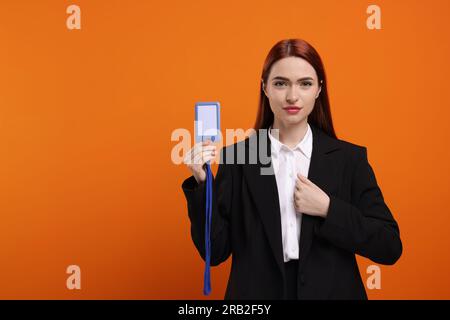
{"points": [[309, 198]]}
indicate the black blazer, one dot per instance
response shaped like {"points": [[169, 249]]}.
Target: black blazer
{"points": [[246, 223]]}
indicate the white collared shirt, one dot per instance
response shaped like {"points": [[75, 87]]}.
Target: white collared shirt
{"points": [[287, 163]]}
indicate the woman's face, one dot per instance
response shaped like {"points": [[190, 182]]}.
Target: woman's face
{"points": [[292, 82]]}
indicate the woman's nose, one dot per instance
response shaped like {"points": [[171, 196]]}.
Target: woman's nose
{"points": [[292, 95]]}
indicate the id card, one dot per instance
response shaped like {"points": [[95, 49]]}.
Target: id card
{"points": [[207, 121]]}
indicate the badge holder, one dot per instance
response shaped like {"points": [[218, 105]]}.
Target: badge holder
{"points": [[207, 127]]}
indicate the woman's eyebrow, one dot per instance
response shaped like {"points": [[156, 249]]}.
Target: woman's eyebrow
{"points": [[287, 79]]}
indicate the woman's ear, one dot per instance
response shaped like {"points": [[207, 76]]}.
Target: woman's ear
{"points": [[263, 87], [318, 92]]}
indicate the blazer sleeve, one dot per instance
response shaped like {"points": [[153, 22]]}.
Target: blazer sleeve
{"points": [[221, 211], [365, 226]]}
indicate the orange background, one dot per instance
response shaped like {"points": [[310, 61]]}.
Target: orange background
{"points": [[86, 118]]}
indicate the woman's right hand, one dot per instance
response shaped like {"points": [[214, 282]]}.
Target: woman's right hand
{"points": [[196, 158]]}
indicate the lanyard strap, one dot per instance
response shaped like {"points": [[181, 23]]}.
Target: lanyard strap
{"points": [[207, 278]]}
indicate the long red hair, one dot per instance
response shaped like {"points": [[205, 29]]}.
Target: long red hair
{"points": [[320, 116]]}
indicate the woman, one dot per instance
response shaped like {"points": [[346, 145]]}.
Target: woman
{"points": [[293, 234]]}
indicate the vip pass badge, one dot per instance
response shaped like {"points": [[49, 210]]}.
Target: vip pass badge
{"points": [[207, 127]]}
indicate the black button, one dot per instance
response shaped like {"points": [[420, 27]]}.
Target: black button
{"points": [[302, 279]]}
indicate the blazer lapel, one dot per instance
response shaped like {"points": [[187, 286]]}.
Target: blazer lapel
{"points": [[323, 173], [263, 187]]}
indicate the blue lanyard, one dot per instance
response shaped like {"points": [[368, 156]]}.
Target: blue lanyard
{"points": [[207, 279]]}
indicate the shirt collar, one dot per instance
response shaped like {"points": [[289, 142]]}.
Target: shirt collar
{"points": [[305, 145]]}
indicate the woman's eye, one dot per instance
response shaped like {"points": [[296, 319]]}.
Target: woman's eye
{"points": [[307, 83], [276, 84]]}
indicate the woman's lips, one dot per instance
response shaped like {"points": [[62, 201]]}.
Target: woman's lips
{"points": [[292, 110]]}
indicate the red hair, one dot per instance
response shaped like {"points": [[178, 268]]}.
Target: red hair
{"points": [[320, 116]]}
